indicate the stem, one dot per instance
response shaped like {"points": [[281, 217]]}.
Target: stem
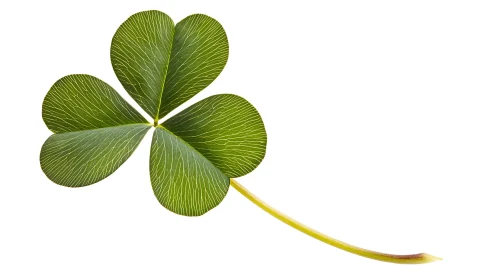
{"points": [[402, 259]]}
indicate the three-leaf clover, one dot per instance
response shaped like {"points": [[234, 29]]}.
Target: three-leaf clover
{"points": [[161, 65], [195, 153]]}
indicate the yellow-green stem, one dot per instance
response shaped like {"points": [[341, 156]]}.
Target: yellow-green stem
{"points": [[401, 259]]}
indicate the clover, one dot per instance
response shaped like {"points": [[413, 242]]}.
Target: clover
{"points": [[196, 154]]}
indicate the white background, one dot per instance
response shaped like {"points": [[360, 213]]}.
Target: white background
{"points": [[382, 121]]}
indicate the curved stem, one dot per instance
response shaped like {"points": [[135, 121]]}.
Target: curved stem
{"points": [[402, 259]]}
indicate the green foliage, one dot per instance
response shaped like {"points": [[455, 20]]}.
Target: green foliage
{"points": [[202, 125], [161, 65], [183, 180], [195, 153]]}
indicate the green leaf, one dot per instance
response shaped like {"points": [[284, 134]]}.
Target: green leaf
{"points": [[81, 102], [226, 129], [194, 153], [96, 131], [162, 65], [140, 53], [183, 180], [81, 158], [200, 52]]}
